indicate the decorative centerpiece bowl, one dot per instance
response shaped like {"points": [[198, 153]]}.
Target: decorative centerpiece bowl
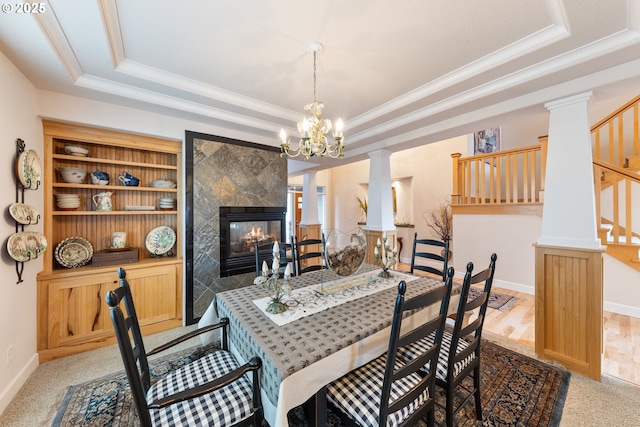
{"points": [[345, 252]]}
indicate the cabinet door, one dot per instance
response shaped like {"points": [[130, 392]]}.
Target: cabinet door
{"points": [[78, 312]]}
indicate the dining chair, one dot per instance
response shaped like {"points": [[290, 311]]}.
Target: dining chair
{"points": [[211, 391], [434, 252], [306, 250], [460, 350], [385, 391]]}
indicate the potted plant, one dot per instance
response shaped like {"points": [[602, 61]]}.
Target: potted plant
{"points": [[440, 221], [363, 207]]}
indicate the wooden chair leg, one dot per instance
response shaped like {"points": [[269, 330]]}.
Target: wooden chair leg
{"points": [[449, 406], [476, 384], [316, 409], [431, 422]]}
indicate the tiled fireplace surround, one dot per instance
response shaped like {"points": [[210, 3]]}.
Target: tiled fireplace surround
{"points": [[222, 172]]}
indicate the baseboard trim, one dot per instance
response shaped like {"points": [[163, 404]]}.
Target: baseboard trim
{"points": [[517, 287], [623, 309], [18, 381]]}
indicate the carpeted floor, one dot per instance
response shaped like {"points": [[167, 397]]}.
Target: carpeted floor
{"points": [[498, 301], [517, 391]]}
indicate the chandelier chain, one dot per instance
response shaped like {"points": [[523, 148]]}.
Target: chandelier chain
{"points": [[314, 75]]}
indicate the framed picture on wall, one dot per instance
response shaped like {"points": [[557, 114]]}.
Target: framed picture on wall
{"points": [[486, 141]]}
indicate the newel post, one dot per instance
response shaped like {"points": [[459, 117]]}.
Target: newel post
{"points": [[455, 194], [544, 141]]}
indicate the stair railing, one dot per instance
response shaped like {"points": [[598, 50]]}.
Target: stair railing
{"points": [[611, 135], [505, 177], [615, 208], [616, 140], [517, 177]]}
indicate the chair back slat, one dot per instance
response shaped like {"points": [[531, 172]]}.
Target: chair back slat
{"points": [[302, 254], [433, 252]]}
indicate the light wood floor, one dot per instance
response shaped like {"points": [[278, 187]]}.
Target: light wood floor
{"points": [[621, 358]]}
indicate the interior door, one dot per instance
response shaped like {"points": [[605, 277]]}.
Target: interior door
{"points": [[297, 197]]}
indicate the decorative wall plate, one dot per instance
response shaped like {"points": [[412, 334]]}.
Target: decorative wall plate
{"points": [[160, 240], [26, 245], [24, 214], [29, 169], [73, 257]]}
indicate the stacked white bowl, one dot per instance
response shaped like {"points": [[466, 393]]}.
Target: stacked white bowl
{"points": [[67, 202], [167, 204], [73, 175]]}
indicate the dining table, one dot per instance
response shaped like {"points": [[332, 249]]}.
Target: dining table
{"points": [[333, 325]]}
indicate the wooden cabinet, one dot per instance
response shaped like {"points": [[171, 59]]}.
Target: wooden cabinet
{"points": [[72, 313]]}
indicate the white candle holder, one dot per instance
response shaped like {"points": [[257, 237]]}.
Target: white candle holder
{"points": [[278, 289], [385, 257]]}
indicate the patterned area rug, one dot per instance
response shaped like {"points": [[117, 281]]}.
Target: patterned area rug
{"points": [[516, 391], [498, 301]]}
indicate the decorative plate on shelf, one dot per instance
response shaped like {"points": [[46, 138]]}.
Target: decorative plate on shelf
{"points": [[160, 240], [29, 169], [26, 245], [24, 214], [74, 256]]}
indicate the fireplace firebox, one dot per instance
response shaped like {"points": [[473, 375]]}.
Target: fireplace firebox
{"points": [[240, 229]]}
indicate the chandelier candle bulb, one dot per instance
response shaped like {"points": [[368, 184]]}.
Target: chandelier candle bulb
{"points": [[265, 268], [338, 132]]}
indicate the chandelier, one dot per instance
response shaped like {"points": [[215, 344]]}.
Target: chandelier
{"points": [[313, 129]]}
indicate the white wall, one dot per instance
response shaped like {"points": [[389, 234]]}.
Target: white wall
{"points": [[18, 119], [621, 291], [511, 237]]}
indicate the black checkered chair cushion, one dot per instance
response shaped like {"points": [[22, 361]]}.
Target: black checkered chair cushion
{"points": [[408, 353], [357, 394], [223, 407]]}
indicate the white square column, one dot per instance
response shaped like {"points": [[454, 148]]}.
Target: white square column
{"points": [[569, 212]]}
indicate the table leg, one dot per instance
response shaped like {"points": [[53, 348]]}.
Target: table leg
{"points": [[316, 409]]}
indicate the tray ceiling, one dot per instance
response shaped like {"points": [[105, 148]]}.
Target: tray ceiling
{"points": [[398, 73]]}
